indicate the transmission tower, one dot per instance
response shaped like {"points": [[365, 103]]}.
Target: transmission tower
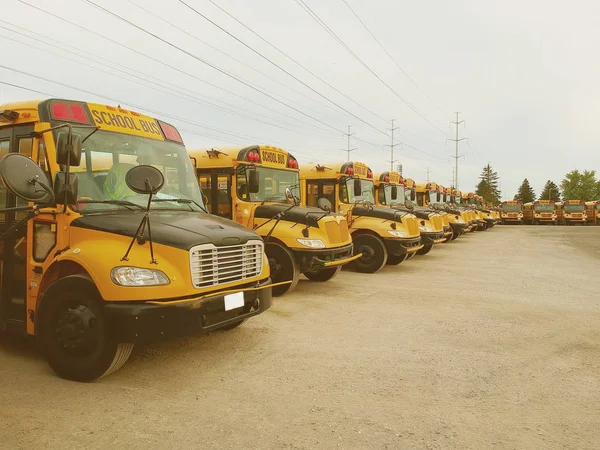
{"points": [[348, 150], [456, 156]]}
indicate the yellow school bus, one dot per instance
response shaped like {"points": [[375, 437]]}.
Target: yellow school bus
{"points": [[116, 259], [259, 187], [390, 191], [380, 234], [574, 212], [468, 214], [457, 224], [544, 211], [592, 211], [469, 203], [511, 211], [476, 202], [429, 196]]}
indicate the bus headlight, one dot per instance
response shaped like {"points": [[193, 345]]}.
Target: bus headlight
{"points": [[312, 243], [136, 276], [397, 233], [425, 228]]}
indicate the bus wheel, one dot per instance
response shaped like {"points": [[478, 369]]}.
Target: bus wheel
{"points": [[283, 268], [374, 253], [324, 274], [72, 333], [426, 249], [394, 260]]}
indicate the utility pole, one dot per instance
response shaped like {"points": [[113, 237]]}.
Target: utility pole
{"points": [[348, 150], [428, 174], [456, 156], [392, 145]]}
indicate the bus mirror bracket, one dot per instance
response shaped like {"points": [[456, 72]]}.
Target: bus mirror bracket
{"points": [[357, 187], [145, 180], [253, 180], [66, 187]]}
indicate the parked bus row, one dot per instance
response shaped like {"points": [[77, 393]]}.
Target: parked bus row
{"points": [[569, 212], [114, 235]]}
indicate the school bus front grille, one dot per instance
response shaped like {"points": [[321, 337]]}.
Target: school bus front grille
{"points": [[337, 233], [211, 265], [577, 215]]}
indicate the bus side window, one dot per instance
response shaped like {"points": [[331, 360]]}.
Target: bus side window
{"points": [[312, 193], [329, 192], [224, 196], [205, 186]]}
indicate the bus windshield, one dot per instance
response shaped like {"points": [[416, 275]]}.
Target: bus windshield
{"points": [[385, 197], [105, 160], [272, 185], [574, 208], [347, 191], [511, 208], [433, 197], [456, 199], [543, 207]]}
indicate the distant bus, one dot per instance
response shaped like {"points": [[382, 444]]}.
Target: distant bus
{"points": [[574, 212], [592, 210], [511, 211], [542, 211]]}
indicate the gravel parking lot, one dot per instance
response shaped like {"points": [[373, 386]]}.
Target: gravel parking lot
{"points": [[491, 340]]}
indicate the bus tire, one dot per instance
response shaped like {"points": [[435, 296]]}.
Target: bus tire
{"points": [[72, 332], [426, 249], [374, 253], [324, 274], [283, 268], [503, 222], [394, 260]]}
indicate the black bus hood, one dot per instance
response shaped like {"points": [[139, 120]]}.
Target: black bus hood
{"points": [[305, 215], [378, 212], [419, 211], [179, 229]]}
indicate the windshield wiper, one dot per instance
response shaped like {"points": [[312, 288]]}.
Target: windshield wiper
{"points": [[124, 203], [180, 200]]}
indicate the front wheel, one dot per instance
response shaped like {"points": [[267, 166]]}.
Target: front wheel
{"points": [[374, 253], [394, 260], [324, 274], [72, 333], [283, 268], [426, 249]]}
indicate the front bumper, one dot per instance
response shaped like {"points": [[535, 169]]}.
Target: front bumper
{"points": [[431, 238], [134, 322], [402, 246], [312, 259]]}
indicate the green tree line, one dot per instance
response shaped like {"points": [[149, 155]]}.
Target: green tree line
{"points": [[575, 185]]}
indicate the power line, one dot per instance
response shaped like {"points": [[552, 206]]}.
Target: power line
{"points": [[393, 59], [181, 96], [287, 56], [274, 64], [315, 17], [160, 62], [265, 75], [213, 66]]}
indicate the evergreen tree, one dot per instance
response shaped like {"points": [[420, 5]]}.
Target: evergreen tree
{"points": [[488, 186], [550, 192], [580, 185], [525, 193]]}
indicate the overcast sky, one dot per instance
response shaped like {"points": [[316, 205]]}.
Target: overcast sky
{"points": [[524, 75]]}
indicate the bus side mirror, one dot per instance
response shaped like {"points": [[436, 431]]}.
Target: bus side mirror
{"points": [[413, 195], [66, 193], [68, 154], [394, 192], [25, 179], [357, 187], [253, 181]]}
